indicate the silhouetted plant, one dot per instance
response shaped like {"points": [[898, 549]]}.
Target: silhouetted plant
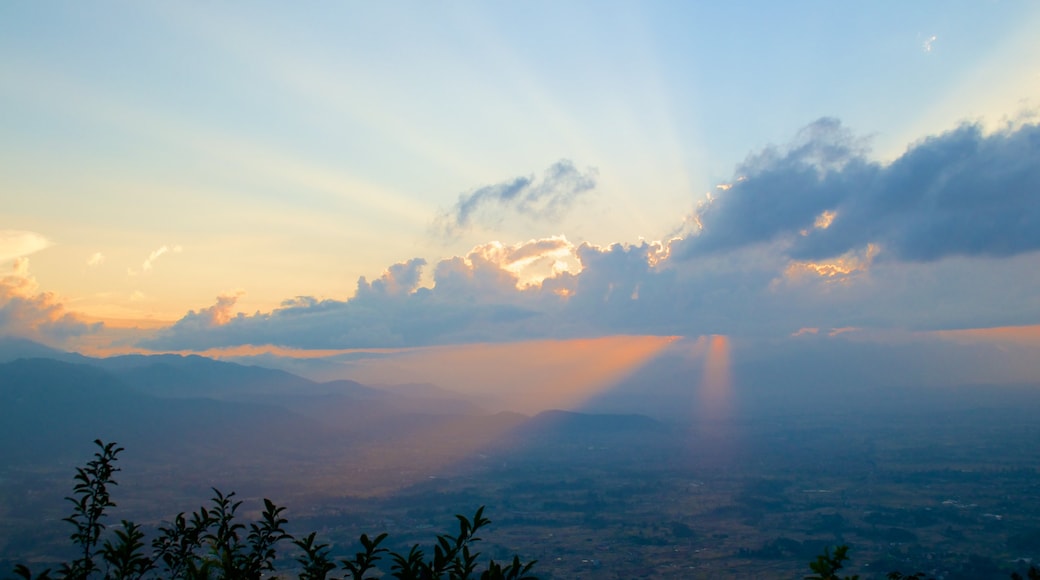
{"points": [[223, 540], [126, 558], [209, 544], [452, 558], [1032, 574], [91, 500], [826, 565], [366, 560], [178, 545], [914, 576], [315, 559], [262, 538]]}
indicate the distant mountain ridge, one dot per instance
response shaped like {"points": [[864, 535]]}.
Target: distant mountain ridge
{"points": [[13, 348], [168, 404]]}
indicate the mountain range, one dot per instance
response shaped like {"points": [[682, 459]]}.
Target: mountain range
{"points": [[193, 410]]}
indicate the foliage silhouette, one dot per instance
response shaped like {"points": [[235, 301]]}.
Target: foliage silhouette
{"points": [[212, 544], [826, 565]]}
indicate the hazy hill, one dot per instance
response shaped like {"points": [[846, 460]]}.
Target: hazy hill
{"points": [[171, 375], [48, 407], [14, 348], [45, 404], [186, 412]]}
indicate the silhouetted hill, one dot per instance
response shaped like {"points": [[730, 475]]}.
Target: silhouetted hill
{"points": [[196, 376], [14, 348], [353, 389], [48, 406]]}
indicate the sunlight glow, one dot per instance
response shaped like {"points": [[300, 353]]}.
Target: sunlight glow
{"points": [[1028, 335], [532, 261], [526, 377], [716, 386], [825, 219], [840, 269]]}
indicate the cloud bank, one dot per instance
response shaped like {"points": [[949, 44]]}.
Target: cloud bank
{"points": [[811, 235], [962, 193]]}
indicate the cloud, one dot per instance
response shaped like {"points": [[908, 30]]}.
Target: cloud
{"points": [[96, 259], [479, 297], [628, 289], [544, 199], [780, 190], [526, 263], [216, 315], [149, 262], [812, 235], [397, 280], [17, 243], [929, 43], [40, 316], [961, 193]]}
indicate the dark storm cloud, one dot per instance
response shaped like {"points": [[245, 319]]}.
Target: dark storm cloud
{"points": [[963, 192], [546, 198]]}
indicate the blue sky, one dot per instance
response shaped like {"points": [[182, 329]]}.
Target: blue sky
{"points": [[188, 176]]}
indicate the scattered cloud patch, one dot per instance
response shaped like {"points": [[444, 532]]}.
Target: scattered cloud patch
{"points": [[18, 243], [96, 259], [929, 43], [543, 199], [149, 262]]}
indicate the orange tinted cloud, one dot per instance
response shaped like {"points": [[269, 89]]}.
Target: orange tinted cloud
{"points": [[28, 313], [1028, 335]]}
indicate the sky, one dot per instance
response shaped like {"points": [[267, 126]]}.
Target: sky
{"points": [[199, 177]]}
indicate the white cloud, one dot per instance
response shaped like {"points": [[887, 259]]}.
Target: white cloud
{"points": [[96, 259], [929, 43], [149, 263], [18, 243], [532, 261]]}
